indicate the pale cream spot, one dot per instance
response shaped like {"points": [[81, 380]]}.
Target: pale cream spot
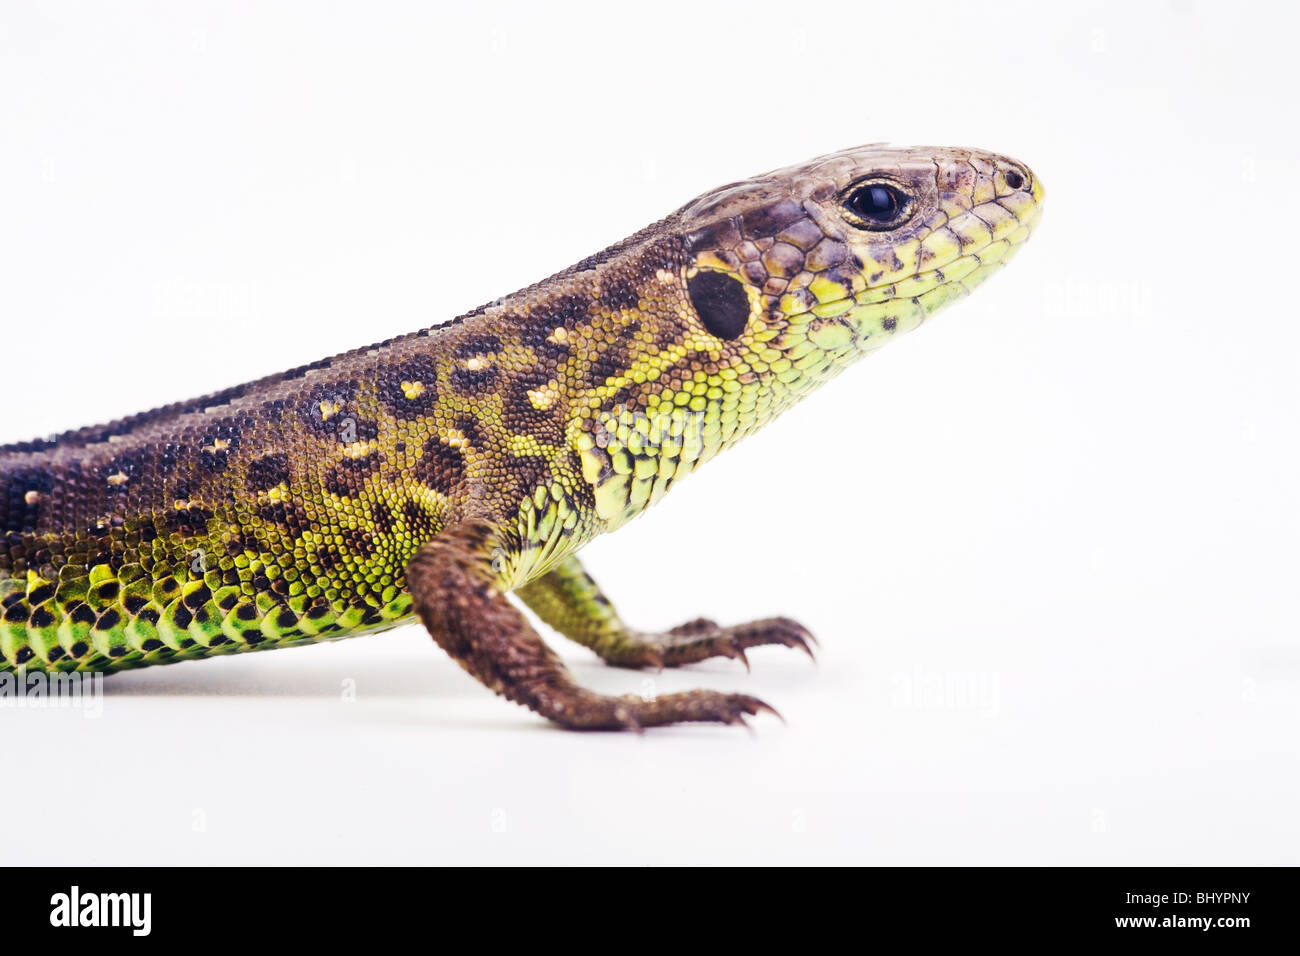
{"points": [[412, 390], [475, 364], [32, 497], [456, 438], [329, 408], [358, 449], [117, 479], [218, 444], [544, 397], [559, 336]]}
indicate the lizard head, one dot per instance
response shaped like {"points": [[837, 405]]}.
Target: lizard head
{"points": [[808, 268], [774, 285]]}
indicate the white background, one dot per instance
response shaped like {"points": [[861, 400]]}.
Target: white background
{"points": [[1049, 543]]}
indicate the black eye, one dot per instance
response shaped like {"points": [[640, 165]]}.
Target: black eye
{"points": [[1014, 179], [876, 205]]}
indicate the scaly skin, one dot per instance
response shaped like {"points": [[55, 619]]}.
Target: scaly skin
{"points": [[290, 510]]}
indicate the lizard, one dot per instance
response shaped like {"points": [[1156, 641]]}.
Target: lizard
{"points": [[433, 474]]}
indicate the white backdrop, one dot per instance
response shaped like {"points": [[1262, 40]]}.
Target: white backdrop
{"points": [[1049, 543]]}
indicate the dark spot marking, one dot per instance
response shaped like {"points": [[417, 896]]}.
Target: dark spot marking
{"points": [[348, 478], [610, 362], [473, 432], [24, 655], [126, 466], [108, 620], [217, 444], [326, 406], [286, 514], [720, 301], [441, 467], [528, 473], [17, 513], [473, 380], [41, 618], [519, 411], [151, 645], [481, 344], [620, 293], [420, 376], [79, 649], [188, 522], [360, 543], [624, 398], [268, 471], [414, 518]]}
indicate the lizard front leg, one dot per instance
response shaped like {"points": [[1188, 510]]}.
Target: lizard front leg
{"points": [[461, 598], [567, 599]]}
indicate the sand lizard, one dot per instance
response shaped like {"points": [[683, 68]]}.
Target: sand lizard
{"points": [[437, 472]]}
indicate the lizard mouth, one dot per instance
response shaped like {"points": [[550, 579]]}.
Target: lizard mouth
{"points": [[876, 313], [961, 253]]}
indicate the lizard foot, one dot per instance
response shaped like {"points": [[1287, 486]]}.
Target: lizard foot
{"points": [[702, 638], [589, 711]]}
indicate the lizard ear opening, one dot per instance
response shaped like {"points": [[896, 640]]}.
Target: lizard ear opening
{"points": [[720, 301]]}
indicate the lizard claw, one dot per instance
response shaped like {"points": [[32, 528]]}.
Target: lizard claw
{"points": [[702, 638]]}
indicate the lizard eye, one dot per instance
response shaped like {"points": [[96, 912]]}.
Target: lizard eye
{"points": [[877, 206]]}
